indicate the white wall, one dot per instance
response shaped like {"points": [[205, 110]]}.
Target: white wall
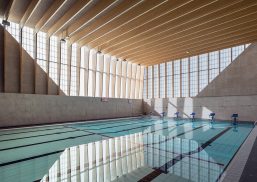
{"points": [[29, 109]]}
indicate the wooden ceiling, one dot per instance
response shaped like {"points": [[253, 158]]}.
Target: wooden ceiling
{"points": [[142, 31]]}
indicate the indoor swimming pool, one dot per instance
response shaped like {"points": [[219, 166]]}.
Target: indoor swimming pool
{"points": [[129, 149]]}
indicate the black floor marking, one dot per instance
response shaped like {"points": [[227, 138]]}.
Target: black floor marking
{"points": [[164, 168]]}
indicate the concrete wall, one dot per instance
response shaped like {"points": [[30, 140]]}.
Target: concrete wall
{"points": [[1, 58], [11, 64], [239, 78], [245, 106], [29, 109], [27, 73], [233, 91], [41, 81]]}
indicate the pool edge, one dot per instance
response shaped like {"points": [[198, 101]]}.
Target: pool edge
{"points": [[236, 166]]}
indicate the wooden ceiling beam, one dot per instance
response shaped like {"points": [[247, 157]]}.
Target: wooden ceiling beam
{"points": [[200, 15], [90, 15], [174, 44], [124, 18], [9, 9], [28, 13], [155, 13], [99, 22], [68, 16], [192, 44], [218, 17], [186, 47], [49, 14], [189, 12], [203, 45], [201, 29]]}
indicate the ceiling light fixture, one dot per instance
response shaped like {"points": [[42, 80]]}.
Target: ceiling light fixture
{"points": [[63, 40], [6, 23]]}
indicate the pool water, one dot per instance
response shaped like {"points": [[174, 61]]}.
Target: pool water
{"points": [[130, 149]]}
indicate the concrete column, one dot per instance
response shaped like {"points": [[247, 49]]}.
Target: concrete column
{"points": [[198, 86], [172, 79], [58, 65], [188, 77], [219, 61], [78, 68], [86, 76], [69, 54], [208, 68], [102, 76], [47, 62], [2, 30], [180, 79], [107, 61], [146, 68], [120, 72]]}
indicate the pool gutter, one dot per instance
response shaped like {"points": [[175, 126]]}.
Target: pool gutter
{"points": [[235, 168]]}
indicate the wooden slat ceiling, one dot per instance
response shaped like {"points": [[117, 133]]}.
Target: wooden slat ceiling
{"points": [[142, 31]]}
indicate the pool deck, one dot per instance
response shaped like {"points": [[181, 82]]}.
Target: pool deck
{"points": [[244, 163]]}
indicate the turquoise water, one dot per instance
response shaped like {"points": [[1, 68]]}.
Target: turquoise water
{"points": [[131, 149]]}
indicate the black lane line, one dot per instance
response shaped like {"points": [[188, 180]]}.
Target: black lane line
{"points": [[31, 131], [74, 129], [130, 129], [60, 127], [164, 168], [108, 122], [170, 138], [51, 153], [30, 158], [91, 133], [191, 157], [34, 136], [123, 125], [50, 141]]}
